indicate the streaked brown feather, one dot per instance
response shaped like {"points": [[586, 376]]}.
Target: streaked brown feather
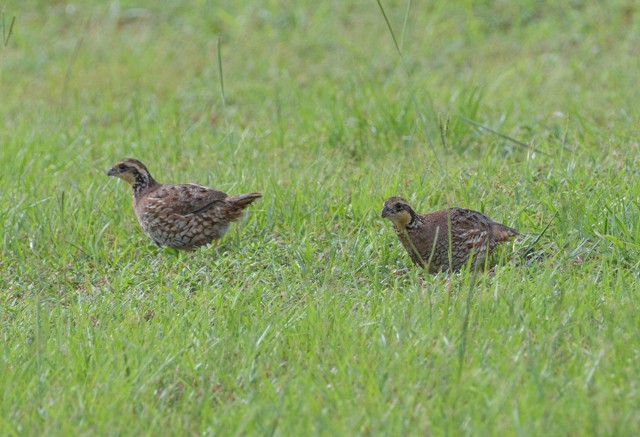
{"points": [[182, 216], [444, 240]]}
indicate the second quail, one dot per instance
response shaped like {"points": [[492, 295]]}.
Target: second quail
{"points": [[444, 240]]}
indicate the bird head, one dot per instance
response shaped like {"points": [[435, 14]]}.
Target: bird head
{"points": [[132, 171], [398, 211]]}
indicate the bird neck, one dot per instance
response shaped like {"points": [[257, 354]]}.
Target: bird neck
{"points": [[142, 182], [414, 222], [406, 219]]}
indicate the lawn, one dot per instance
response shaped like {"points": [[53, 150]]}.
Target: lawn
{"points": [[310, 318]]}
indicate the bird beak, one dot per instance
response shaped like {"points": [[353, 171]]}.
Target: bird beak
{"points": [[112, 171], [385, 212]]}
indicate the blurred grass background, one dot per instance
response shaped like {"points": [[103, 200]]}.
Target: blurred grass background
{"points": [[311, 320]]}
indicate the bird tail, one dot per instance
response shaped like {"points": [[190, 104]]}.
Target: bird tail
{"points": [[243, 200], [234, 206], [502, 233]]}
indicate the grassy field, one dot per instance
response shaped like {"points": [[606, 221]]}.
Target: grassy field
{"points": [[311, 320]]}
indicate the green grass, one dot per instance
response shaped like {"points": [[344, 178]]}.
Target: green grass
{"points": [[311, 319]]}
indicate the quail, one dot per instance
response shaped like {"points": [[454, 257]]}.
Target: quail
{"points": [[184, 216], [444, 240]]}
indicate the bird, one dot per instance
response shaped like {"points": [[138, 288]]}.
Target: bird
{"points": [[181, 216], [443, 241]]}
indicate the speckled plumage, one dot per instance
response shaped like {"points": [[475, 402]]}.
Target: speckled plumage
{"points": [[184, 216], [426, 236]]}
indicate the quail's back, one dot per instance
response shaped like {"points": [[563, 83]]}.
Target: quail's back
{"points": [[444, 240], [184, 216]]}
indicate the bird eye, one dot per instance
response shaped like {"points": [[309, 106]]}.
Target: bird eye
{"points": [[398, 206], [122, 167]]}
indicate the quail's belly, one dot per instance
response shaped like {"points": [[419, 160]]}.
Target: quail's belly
{"points": [[180, 232]]}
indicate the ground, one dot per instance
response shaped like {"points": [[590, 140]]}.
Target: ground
{"points": [[310, 319]]}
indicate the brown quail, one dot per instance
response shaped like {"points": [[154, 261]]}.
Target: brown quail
{"points": [[184, 216], [444, 240]]}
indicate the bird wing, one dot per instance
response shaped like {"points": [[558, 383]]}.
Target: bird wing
{"points": [[184, 199], [473, 228]]}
